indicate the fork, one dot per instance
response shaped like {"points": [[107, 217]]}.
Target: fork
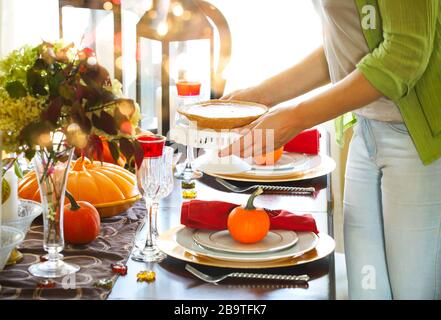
{"points": [[259, 276], [297, 190]]}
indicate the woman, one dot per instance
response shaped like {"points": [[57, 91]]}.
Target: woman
{"points": [[384, 60]]}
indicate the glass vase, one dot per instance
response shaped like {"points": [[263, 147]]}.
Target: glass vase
{"points": [[51, 167]]}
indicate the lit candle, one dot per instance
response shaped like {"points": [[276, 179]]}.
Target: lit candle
{"points": [[10, 206]]}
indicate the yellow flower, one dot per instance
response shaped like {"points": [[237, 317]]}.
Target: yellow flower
{"points": [[15, 114]]}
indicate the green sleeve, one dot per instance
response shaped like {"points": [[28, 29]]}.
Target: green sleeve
{"points": [[400, 60]]}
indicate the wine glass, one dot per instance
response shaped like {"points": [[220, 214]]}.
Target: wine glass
{"points": [[150, 179], [188, 94], [166, 186]]}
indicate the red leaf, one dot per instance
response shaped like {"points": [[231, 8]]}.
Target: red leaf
{"points": [[53, 112], [79, 117], [138, 152], [95, 148], [126, 148], [108, 124], [114, 150]]}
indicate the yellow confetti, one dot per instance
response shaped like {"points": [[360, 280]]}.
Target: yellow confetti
{"points": [[146, 276]]}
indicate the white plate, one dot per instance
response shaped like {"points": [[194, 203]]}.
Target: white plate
{"points": [[289, 163], [275, 240], [286, 161], [211, 162], [307, 241], [326, 166]]}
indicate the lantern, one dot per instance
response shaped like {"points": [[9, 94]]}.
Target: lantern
{"points": [[88, 23], [175, 42]]}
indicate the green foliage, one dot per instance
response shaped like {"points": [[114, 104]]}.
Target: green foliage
{"points": [[62, 88], [15, 65]]}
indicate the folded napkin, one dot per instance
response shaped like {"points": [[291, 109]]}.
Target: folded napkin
{"points": [[213, 215], [307, 141]]}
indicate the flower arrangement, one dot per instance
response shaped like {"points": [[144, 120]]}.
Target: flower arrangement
{"points": [[55, 98], [52, 90]]}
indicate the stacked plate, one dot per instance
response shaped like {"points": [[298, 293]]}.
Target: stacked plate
{"points": [[290, 167], [278, 244], [280, 248]]}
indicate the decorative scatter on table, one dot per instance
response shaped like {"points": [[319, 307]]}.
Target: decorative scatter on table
{"points": [[119, 268], [188, 184], [46, 284], [188, 189], [104, 283], [43, 258], [146, 276], [95, 262]]}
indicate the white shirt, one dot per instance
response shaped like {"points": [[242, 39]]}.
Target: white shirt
{"points": [[345, 46]]}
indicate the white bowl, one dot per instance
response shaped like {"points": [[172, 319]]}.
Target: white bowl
{"points": [[10, 238], [28, 210]]}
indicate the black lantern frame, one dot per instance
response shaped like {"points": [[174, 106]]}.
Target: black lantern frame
{"points": [[117, 23], [203, 16]]}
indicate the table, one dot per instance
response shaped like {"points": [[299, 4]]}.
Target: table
{"points": [[174, 282]]}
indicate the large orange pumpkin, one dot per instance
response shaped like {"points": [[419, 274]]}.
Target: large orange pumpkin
{"points": [[248, 224], [108, 187]]}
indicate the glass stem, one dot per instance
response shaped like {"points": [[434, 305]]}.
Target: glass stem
{"points": [[53, 257], [190, 158], [149, 220], [155, 207]]}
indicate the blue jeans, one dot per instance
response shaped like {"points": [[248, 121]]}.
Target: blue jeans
{"points": [[392, 211]]}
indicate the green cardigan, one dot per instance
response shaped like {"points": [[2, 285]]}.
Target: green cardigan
{"points": [[405, 65]]}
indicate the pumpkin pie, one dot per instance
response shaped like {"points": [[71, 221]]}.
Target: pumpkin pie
{"points": [[223, 114]]}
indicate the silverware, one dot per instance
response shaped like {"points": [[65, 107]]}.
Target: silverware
{"points": [[296, 190], [259, 276]]}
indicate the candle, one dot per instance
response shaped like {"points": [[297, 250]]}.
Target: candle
{"points": [[10, 206], [1, 207]]}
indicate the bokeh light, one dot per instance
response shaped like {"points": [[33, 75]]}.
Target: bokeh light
{"points": [[91, 61], [162, 28], [108, 5], [186, 15], [152, 14], [126, 107], [44, 139], [177, 9], [119, 63], [76, 136]]}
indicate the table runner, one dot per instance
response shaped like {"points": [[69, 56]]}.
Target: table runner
{"points": [[114, 244]]}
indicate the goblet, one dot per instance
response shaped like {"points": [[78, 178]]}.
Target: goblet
{"points": [[166, 185], [150, 178]]}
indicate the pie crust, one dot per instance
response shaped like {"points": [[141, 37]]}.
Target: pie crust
{"points": [[223, 114]]}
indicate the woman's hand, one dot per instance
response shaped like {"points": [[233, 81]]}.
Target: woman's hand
{"points": [[271, 131], [252, 94], [286, 122]]}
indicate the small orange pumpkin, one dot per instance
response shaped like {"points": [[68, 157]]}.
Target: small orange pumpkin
{"points": [[103, 185], [269, 158], [248, 224], [81, 222]]}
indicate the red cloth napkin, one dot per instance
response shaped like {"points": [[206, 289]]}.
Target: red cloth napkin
{"points": [[307, 141], [213, 215]]}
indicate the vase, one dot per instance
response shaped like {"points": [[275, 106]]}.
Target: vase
{"points": [[51, 166]]}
